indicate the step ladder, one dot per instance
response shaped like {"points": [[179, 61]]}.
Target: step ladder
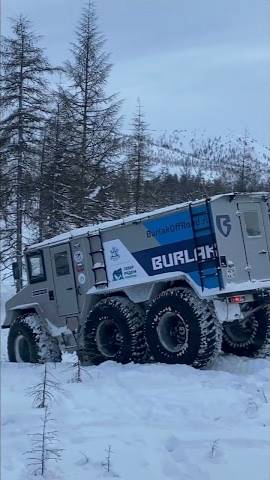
{"points": [[207, 229], [98, 260]]}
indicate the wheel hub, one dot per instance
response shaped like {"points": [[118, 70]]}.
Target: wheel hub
{"points": [[241, 332], [109, 338], [172, 332]]}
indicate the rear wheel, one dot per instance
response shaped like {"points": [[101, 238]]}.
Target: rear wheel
{"points": [[249, 337], [114, 331], [29, 342], [181, 328]]}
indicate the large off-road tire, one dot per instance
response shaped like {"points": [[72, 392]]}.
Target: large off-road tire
{"points": [[250, 337], [114, 331], [181, 328], [28, 341]]}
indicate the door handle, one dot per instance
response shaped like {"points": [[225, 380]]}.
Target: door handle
{"points": [[70, 288], [262, 252], [51, 295]]}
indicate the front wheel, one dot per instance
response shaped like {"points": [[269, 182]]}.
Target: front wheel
{"points": [[181, 328], [249, 337], [29, 342]]}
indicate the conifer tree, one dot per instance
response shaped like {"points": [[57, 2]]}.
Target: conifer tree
{"points": [[95, 119], [139, 160], [23, 102], [55, 177]]}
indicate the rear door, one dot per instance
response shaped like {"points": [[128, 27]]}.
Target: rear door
{"points": [[254, 236], [64, 281]]}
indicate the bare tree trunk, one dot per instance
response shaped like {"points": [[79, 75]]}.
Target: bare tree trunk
{"points": [[84, 130], [138, 178], [19, 203], [40, 206]]}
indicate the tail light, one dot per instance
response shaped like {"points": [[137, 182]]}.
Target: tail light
{"points": [[237, 299]]}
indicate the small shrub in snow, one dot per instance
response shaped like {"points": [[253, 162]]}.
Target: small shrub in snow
{"points": [[215, 453], [42, 392], [251, 409], [77, 377], [263, 395], [107, 463], [44, 447]]}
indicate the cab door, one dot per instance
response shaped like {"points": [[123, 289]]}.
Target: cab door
{"points": [[64, 281], [255, 241]]}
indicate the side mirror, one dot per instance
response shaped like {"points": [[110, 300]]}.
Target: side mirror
{"points": [[15, 271]]}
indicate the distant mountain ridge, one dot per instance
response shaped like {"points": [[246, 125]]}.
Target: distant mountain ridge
{"points": [[183, 153]]}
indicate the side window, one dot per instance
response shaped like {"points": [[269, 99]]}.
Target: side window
{"points": [[36, 268], [252, 224], [61, 263]]}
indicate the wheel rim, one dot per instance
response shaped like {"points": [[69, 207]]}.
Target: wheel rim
{"points": [[22, 350], [172, 332], [109, 338]]}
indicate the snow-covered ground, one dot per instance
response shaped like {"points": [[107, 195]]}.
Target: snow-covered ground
{"points": [[160, 421]]}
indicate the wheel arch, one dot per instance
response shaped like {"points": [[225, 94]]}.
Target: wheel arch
{"points": [[42, 347], [13, 313], [139, 294]]}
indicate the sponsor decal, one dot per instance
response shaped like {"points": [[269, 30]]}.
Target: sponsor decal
{"points": [[120, 263], [81, 278], [79, 267], [128, 271], [224, 224], [115, 255], [78, 256], [231, 271], [118, 274]]}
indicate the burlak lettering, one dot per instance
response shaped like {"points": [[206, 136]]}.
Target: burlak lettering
{"points": [[182, 257]]}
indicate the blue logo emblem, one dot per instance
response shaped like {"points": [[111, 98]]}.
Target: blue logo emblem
{"points": [[118, 274]]}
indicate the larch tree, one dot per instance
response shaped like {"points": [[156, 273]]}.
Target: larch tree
{"points": [[95, 116], [54, 181], [23, 103], [248, 167], [139, 160]]}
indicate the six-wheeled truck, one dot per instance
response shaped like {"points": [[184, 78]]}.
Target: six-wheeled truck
{"points": [[173, 285]]}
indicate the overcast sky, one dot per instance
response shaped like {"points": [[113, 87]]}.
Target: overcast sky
{"points": [[195, 64]]}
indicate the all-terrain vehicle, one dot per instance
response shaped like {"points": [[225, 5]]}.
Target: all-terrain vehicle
{"points": [[170, 286]]}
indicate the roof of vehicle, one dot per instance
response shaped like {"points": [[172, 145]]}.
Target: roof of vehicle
{"points": [[95, 228]]}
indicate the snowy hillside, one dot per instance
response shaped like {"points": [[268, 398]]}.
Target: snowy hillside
{"points": [[192, 152], [160, 422]]}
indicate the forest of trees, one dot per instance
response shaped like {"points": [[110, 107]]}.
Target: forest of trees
{"points": [[65, 161]]}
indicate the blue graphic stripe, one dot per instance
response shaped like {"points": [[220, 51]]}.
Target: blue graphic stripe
{"points": [[180, 257], [177, 227]]}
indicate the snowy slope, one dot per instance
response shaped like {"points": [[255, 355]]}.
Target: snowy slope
{"points": [[192, 152], [183, 152], [161, 421]]}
